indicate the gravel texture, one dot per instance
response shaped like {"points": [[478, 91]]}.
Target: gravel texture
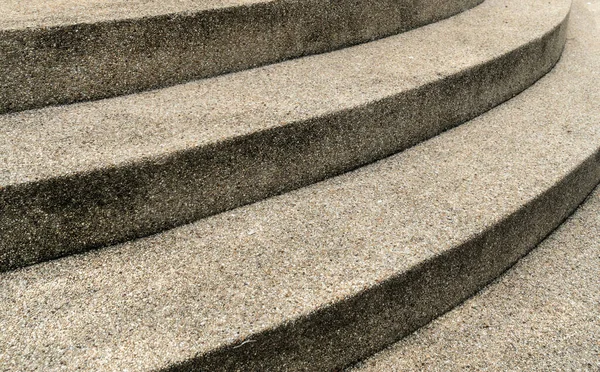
{"points": [[57, 52], [48, 13], [321, 277], [91, 174], [542, 315]]}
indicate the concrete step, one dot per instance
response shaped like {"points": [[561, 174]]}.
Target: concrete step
{"points": [[542, 315], [61, 51], [96, 173], [324, 276]]}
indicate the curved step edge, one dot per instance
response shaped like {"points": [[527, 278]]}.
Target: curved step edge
{"points": [[538, 316], [358, 327], [223, 280], [65, 63], [68, 214]]}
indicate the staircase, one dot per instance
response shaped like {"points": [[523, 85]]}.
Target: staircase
{"points": [[262, 185]]}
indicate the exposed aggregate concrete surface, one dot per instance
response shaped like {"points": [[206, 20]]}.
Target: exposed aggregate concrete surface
{"points": [[542, 315], [57, 52], [18, 14], [163, 299], [116, 169], [74, 138], [47, 13]]}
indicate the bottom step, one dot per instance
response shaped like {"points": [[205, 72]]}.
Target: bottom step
{"points": [[542, 315]]}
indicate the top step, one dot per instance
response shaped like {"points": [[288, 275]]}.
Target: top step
{"points": [[57, 52]]}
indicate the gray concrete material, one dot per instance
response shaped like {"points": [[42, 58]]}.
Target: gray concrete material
{"points": [[287, 283], [542, 315], [57, 52], [95, 173], [19, 14]]}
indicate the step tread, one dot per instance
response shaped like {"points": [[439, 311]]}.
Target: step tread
{"points": [[163, 299], [542, 315], [58, 141], [88, 175], [16, 14], [60, 52]]}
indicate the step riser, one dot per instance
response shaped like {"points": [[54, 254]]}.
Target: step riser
{"points": [[57, 65], [57, 217], [340, 335]]}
